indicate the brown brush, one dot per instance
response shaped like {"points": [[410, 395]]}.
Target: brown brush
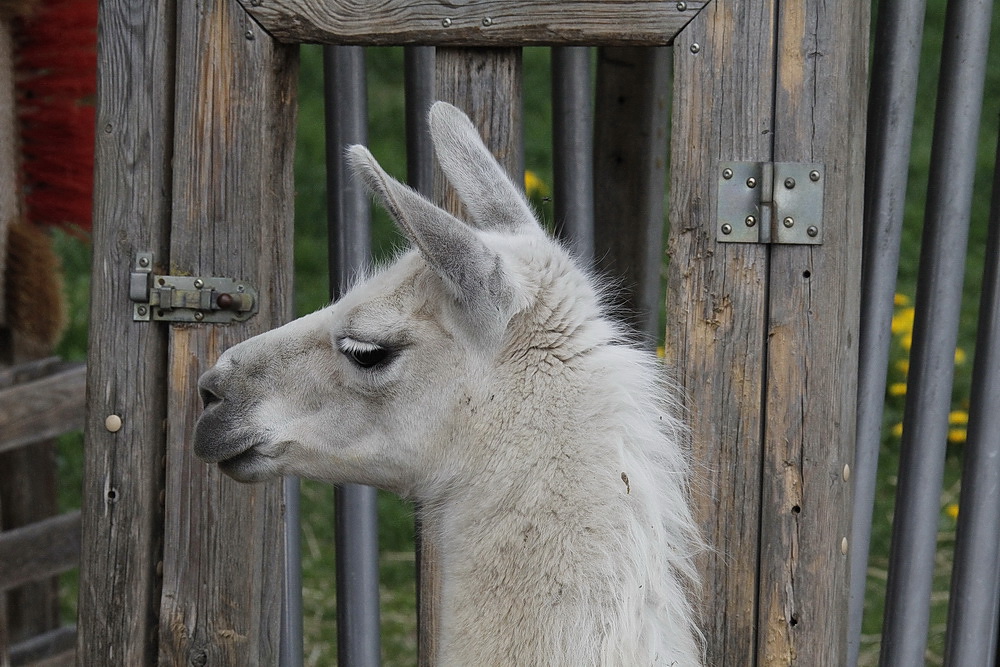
{"points": [[36, 310]]}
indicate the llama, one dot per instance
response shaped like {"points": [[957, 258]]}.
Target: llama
{"points": [[480, 376]]}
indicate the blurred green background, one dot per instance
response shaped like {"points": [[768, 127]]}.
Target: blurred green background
{"points": [[385, 94]]}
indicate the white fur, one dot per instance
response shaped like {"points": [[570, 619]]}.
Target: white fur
{"points": [[545, 448]]}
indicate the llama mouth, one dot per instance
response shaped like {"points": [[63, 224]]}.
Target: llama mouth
{"points": [[247, 466]]}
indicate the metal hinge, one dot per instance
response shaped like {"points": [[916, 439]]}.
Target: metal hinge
{"points": [[187, 298], [770, 202]]}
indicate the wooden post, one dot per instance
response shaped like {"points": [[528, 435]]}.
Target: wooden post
{"points": [[472, 80], [126, 371], [762, 336], [223, 560]]}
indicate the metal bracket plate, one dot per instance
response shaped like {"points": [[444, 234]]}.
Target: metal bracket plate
{"points": [[770, 202], [187, 298]]}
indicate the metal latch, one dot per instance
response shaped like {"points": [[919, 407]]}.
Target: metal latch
{"points": [[187, 298], [770, 202]]}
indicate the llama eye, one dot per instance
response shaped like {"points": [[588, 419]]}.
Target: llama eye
{"points": [[364, 355]]}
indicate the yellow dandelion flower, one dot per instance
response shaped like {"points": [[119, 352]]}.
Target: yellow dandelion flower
{"points": [[956, 436], [902, 321], [901, 300], [533, 185], [951, 509], [959, 355], [903, 366], [958, 417], [897, 389], [906, 341], [897, 430]]}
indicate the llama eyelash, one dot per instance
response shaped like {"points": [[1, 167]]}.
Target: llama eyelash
{"points": [[363, 354]]}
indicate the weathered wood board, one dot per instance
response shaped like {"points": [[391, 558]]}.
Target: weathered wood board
{"points": [[42, 409], [126, 371], [492, 23], [42, 549], [223, 560]]}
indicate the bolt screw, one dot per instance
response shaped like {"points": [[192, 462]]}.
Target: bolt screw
{"points": [[751, 182], [813, 231], [199, 283], [813, 175], [199, 316], [696, 47], [727, 173], [751, 221], [727, 229], [789, 183], [248, 34], [681, 6], [141, 311], [788, 222], [487, 22], [144, 261], [446, 22]]}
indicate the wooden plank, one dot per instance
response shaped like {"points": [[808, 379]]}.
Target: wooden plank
{"points": [[495, 23], [486, 85], [55, 648], [38, 550], [223, 559], [630, 159], [126, 371], [42, 409], [716, 303], [821, 98]]}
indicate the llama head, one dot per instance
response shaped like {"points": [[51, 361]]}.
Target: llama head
{"points": [[376, 388]]}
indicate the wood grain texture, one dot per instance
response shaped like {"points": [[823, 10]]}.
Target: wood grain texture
{"points": [[630, 162], [231, 216], [482, 23], [814, 291], [126, 368], [472, 80], [716, 304], [39, 550], [42, 409]]}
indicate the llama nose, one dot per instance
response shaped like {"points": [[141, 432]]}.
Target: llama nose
{"points": [[208, 389]]}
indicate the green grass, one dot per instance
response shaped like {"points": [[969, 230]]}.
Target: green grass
{"points": [[311, 292]]}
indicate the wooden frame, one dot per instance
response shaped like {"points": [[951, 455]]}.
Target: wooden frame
{"points": [[762, 337]]}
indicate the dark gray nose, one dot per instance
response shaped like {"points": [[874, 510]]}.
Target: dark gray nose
{"points": [[208, 388]]}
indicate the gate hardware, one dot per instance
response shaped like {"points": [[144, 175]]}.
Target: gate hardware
{"points": [[770, 202], [187, 298]]}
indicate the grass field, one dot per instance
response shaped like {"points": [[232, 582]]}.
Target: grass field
{"points": [[396, 527]]}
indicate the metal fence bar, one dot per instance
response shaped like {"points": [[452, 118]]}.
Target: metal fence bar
{"points": [[896, 64], [972, 609], [349, 214], [290, 648], [573, 148], [418, 64], [935, 331]]}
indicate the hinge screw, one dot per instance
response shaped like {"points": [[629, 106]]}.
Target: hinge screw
{"points": [[727, 173], [751, 221], [751, 182], [789, 183], [199, 316], [696, 47], [788, 222], [813, 175], [199, 283], [144, 261], [681, 6], [141, 310], [487, 22], [812, 231], [446, 22], [727, 229]]}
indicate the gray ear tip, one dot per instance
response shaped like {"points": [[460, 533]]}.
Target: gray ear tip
{"points": [[359, 159]]}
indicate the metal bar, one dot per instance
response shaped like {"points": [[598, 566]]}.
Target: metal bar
{"points": [[935, 331], [972, 610], [418, 64], [290, 648], [573, 148], [890, 126], [356, 533]]}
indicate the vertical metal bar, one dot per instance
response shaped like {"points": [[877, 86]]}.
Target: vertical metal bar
{"points": [[573, 148], [935, 331], [290, 648], [890, 126], [972, 608], [418, 64], [349, 215]]}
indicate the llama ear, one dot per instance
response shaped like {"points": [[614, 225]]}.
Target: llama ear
{"points": [[474, 273], [490, 197]]}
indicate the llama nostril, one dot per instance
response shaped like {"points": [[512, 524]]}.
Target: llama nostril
{"points": [[210, 395]]}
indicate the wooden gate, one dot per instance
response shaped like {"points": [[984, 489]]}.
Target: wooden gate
{"points": [[196, 109]]}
